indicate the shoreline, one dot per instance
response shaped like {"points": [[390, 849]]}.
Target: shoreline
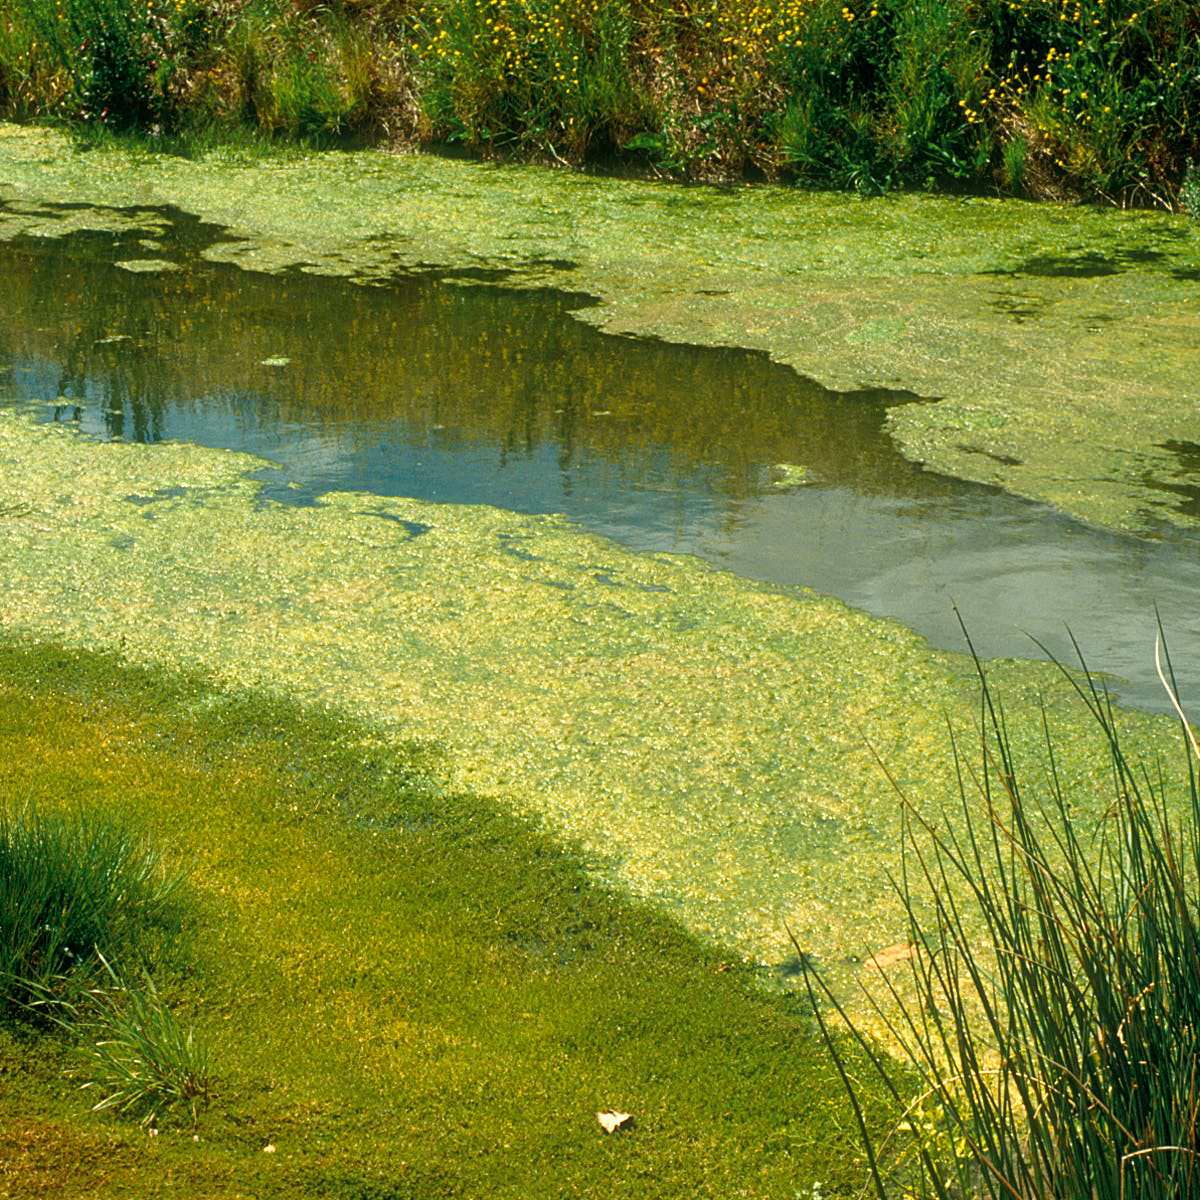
{"points": [[1064, 343]]}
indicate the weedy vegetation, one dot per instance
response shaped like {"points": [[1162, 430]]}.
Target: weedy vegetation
{"points": [[73, 886], [1046, 98], [1052, 1010], [1189, 193]]}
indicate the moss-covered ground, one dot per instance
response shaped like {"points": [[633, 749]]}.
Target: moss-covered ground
{"points": [[704, 736], [407, 993], [1062, 344]]}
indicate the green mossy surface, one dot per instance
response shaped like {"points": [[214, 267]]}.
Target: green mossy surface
{"points": [[705, 737], [405, 992], [1067, 339]]}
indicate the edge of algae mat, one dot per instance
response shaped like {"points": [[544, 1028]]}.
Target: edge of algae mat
{"points": [[406, 992], [707, 738], [1062, 344]]}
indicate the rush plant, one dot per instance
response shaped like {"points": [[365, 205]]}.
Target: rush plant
{"points": [[1053, 1006], [139, 1058], [73, 886]]}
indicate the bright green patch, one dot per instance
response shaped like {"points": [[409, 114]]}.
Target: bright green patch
{"points": [[707, 736], [785, 476], [406, 992], [1063, 338]]}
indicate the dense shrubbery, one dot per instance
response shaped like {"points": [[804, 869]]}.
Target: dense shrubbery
{"points": [[1044, 97]]}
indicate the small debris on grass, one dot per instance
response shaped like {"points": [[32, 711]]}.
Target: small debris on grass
{"points": [[269, 1148], [277, 361], [611, 1120]]}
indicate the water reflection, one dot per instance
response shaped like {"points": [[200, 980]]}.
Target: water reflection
{"points": [[473, 395]]}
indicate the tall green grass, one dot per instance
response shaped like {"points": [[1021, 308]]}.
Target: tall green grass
{"points": [[1055, 98], [78, 893], [73, 887], [103, 59], [1053, 1004]]}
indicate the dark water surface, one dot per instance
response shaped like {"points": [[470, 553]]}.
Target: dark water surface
{"points": [[468, 394]]}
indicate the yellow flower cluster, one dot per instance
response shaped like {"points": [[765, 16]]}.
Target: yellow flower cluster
{"points": [[518, 38], [740, 42]]}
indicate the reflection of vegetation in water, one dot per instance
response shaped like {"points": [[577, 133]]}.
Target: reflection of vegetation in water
{"points": [[703, 733], [458, 366], [1078, 379]]}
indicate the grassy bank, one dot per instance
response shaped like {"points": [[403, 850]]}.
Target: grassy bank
{"points": [[405, 993], [1047, 98]]}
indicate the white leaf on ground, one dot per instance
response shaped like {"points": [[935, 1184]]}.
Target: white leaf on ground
{"points": [[611, 1120]]}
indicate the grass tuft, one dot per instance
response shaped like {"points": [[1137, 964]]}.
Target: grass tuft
{"points": [[140, 1058], [1054, 1014], [72, 886]]}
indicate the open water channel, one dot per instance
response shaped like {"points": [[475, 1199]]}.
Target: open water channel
{"points": [[453, 391]]}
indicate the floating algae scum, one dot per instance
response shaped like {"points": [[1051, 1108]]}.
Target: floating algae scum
{"points": [[472, 395], [405, 555], [1062, 344]]}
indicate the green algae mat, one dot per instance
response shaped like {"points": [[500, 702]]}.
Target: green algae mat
{"points": [[403, 993], [1062, 345], [706, 739]]}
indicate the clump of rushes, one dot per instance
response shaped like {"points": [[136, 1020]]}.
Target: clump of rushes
{"points": [[73, 886], [1054, 1007], [139, 1058], [78, 893]]}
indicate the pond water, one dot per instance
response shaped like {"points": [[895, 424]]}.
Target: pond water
{"points": [[451, 391]]}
